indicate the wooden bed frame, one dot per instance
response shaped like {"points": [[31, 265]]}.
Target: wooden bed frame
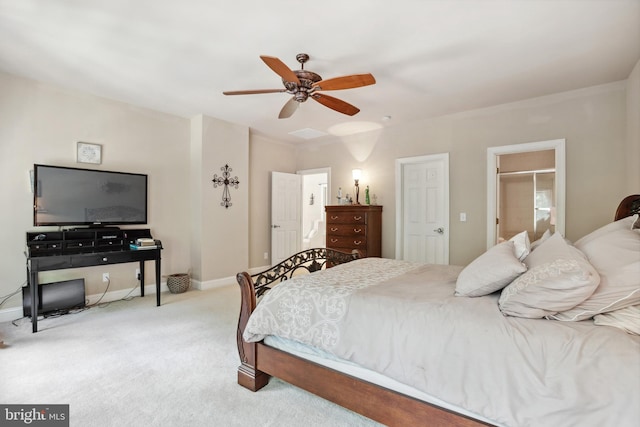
{"points": [[259, 362]]}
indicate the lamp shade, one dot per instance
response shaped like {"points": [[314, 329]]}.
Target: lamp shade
{"points": [[357, 174]]}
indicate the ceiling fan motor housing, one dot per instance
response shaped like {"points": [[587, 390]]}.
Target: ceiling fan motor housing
{"points": [[302, 91]]}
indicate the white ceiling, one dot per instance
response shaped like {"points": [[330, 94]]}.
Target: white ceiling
{"points": [[429, 57]]}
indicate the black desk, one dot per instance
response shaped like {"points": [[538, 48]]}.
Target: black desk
{"points": [[36, 264]]}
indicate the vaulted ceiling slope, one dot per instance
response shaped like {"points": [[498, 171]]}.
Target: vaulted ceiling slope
{"points": [[429, 58]]}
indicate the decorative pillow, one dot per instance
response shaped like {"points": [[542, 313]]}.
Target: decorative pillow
{"points": [[627, 319], [559, 278], [490, 272], [615, 254], [621, 224], [538, 242], [522, 245]]}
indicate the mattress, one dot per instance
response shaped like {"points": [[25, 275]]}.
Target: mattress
{"points": [[403, 321]]}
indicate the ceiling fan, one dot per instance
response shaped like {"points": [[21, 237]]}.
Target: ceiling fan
{"points": [[304, 84]]}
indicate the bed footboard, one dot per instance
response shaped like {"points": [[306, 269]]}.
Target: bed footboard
{"points": [[254, 286]]}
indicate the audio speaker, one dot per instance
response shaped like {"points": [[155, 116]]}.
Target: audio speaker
{"points": [[57, 296]]}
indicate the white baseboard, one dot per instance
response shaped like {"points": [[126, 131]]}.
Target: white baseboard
{"points": [[14, 313], [9, 314], [225, 281], [211, 284], [255, 270]]}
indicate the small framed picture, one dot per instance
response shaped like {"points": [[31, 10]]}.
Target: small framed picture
{"points": [[89, 153]]}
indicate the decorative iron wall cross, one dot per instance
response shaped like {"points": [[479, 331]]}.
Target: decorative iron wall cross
{"points": [[224, 180]]}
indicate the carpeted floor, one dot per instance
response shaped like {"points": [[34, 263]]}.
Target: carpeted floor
{"points": [[130, 363]]}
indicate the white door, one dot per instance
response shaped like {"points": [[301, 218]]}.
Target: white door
{"points": [[422, 232], [286, 189]]}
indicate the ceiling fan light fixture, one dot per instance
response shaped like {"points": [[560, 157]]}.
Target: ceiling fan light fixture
{"points": [[301, 96]]}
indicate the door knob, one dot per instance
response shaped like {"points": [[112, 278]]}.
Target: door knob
{"points": [[439, 230]]}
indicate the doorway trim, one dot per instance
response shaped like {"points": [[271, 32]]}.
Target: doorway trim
{"points": [[318, 171], [558, 145]]}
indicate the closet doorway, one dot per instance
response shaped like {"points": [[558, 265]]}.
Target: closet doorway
{"points": [[526, 194], [526, 190]]}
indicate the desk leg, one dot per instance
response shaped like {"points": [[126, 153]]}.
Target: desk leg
{"points": [[158, 277], [33, 287], [141, 278]]}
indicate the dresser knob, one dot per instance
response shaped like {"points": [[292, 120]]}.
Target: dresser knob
{"points": [[105, 259], [334, 240], [357, 242], [357, 218], [357, 230], [334, 228]]}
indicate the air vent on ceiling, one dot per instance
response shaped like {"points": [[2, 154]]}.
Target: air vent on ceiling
{"points": [[308, 133]]}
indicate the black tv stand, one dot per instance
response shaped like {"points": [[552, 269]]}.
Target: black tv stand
{"points": [[60, 250], [94, 228]]}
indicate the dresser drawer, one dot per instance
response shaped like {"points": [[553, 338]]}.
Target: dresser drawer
{"points": [[346, 242], [354, 230], [346, 218]]}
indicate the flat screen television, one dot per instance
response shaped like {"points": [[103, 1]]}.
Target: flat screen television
{"points": [[65, 196]]}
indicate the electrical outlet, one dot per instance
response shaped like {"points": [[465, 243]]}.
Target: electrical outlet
{"points": [[137, 273], [105, 277], [266, 255]]}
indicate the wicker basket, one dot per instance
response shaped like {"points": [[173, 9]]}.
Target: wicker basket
{"points": [[178, 283]]}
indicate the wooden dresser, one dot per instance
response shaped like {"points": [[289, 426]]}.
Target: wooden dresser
{"points": [[355, 227]]}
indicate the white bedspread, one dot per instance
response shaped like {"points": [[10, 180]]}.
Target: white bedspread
{"points": [[402, 320]]}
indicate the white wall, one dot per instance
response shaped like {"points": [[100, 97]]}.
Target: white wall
{"points": [[220, 235], [633, 131], [265, 155], [592, 120], [41, 123]]}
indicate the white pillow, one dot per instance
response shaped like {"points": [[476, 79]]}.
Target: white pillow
{"points": [[627, 319], [490, 272], [522, 245], [559, 278], [542, 238], [621, 224], [615, 253]]}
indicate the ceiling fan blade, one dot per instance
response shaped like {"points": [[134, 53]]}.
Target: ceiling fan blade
{"points": [[280, 68], [253, 92], [289, 108], [336, 104], [345, 82]]}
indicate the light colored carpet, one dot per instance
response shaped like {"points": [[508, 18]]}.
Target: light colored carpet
{"points": [[132, 363]]}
